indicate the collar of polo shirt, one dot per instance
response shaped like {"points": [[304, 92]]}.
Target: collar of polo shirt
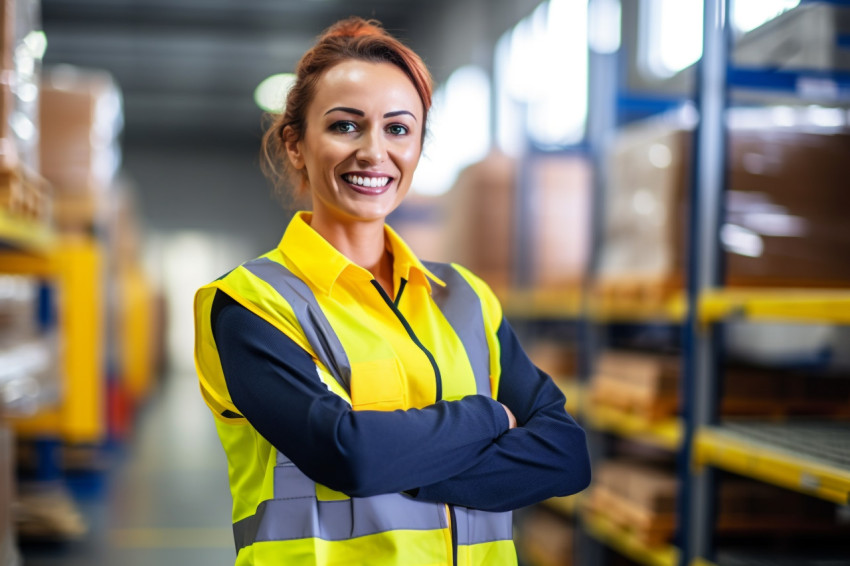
{"points": [[324, 265]]}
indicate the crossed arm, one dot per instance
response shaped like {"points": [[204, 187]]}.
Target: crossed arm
{"points": [[461, 452]]}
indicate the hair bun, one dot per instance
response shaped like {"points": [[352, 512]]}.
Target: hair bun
{"points": [[355, 26]]}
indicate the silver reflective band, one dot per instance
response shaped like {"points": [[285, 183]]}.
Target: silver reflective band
{"points": [[318, 330], [477, 527], [461, 306], [306, 517]]}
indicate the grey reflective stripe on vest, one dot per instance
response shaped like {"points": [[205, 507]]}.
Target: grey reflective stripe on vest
{"points": [[461, 306], [317, 329], [477, 527], [306, 517]]}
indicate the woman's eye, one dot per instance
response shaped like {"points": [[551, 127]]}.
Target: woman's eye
{"points": [[343, 127], [397, 129]]}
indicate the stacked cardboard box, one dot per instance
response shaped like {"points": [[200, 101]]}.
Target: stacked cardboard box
{"points": [[23, 194], [482, 221], [544, 539], [637, 497], [643, 384], [81, 118], [785, 220], [557, 358], [647, 385], [641, 498]]}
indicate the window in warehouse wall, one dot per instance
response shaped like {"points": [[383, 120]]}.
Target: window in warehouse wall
{"points": [[541, 73], [671, 30], [459, 123]]}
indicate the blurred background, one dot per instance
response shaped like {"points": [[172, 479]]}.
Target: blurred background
{"points": [[657, 190]]}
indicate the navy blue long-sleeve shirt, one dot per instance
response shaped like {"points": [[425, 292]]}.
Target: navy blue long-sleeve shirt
{"points": [[459, 452]]}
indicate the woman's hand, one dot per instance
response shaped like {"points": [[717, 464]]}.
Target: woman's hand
{"points": [[511, 417]]}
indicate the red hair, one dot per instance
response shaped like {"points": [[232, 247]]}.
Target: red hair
{"points": [[352, 38]]}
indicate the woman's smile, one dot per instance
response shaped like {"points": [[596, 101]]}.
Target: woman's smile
{"points": [[367, 183]]}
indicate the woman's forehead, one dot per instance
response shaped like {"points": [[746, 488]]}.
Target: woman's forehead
{"points": [[380, 87]]}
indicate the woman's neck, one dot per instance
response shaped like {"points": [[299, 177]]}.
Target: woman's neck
{"points": [[362, 242]]}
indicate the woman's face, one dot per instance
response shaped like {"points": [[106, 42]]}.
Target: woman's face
{"points": [[361, 141]]}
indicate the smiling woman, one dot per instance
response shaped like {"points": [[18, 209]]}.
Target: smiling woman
{"points": [[374, 408]]}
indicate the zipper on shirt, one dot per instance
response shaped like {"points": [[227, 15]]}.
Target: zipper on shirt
{"points": [[394, 307]]}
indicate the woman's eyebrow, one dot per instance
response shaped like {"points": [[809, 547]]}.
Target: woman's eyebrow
{"points": [[346, 109], [399, 113], [357, 112]]}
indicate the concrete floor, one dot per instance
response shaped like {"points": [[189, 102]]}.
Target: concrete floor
{"points": [[164, 499]]}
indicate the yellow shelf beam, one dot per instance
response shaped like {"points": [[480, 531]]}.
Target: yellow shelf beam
{"points": [[544, 304], [627, 544], [637, 309], [666, 434], [769, 305], [24, 235], [716, 447]]}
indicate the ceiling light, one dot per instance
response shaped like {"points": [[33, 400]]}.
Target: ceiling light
{"points": [[270, 95]]}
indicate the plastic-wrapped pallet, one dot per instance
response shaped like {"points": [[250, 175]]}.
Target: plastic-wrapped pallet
{"points": [[22, 193], [776, 234], [482, 221], [807, 37], [81, 118]]}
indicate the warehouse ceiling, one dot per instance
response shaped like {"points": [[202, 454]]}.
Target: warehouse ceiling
{"points": [[188, 68]]}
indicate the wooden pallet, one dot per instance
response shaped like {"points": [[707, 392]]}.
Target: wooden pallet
{"points": [[24, 195], [651, 527], [48, 513], [618, 396], [643, 385]]}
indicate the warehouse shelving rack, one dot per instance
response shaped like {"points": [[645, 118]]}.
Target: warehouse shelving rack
{"points": [[811, 458], [20, 234], [786, 455], [700, 444]]}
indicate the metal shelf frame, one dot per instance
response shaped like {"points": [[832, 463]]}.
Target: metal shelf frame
{"points": [[24, 235], [746, 452], [768, 305], [603, 530]]}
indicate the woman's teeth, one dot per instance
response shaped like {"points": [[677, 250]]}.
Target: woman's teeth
{"points": [[372, 182]]}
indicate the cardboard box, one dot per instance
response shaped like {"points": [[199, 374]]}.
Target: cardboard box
{"points": [[784, 203], [545, 540], [643, 384], [80, 122], [482, 221], [560, 225], [480, 224], [557, 358]]}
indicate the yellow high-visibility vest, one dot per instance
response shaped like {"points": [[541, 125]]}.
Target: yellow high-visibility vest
{"points": [[436, 341]]}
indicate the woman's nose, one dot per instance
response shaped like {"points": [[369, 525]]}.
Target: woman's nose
{"points": [[371, 148]]}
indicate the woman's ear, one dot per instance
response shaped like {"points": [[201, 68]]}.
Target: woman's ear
{"points": [[293, 148]]}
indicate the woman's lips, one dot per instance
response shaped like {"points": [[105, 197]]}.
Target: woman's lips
{"points": [[371, 185]]}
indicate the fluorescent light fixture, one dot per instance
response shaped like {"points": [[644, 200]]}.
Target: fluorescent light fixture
{"points": [[270, 95], [36, 42]]}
